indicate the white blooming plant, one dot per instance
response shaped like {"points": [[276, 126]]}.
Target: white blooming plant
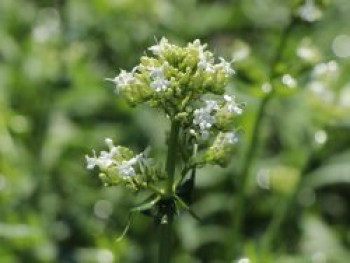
{"points": [[188, 85]]}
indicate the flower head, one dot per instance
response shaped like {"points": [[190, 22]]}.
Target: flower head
{"points": [[173, 74], [178, 80]]}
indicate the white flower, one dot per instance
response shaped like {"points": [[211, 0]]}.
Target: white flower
{"points": [[156, 72], [91, 161], [205, 64], [137, 159], [230, 138], [222, 146], [204, 119], [206, 61], [160, 84], [160, 47], [211, 105], [197, 45], [113, 150], [225, 139], [232, 106], [123, 79], [109, 143], [106, 159], [289, 81], [225, 66], [126, 170], [309, 11]]}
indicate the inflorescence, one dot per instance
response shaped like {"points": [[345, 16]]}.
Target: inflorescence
{"points": [[188, 85]]}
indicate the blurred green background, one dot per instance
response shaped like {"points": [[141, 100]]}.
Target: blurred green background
{"points": [[55, 107]]}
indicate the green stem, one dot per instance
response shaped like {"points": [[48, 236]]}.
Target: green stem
{"points": [[171, 157], [166, 233], [235, 238], [165, 242]]}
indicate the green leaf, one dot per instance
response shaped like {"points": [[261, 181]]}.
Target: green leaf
{"points": [[126, 229], [184, 206], [147, 204], [329, 175]]}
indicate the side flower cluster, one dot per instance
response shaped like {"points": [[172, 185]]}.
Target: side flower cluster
{"points": [[222, 148], [216, 119], [119, 165], [216, 114]]}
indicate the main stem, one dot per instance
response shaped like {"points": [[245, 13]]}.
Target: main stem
{"points": [[235, 239], [165, 228], [171, 157]]}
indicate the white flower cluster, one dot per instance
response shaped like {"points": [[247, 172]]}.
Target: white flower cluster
{"points": [[106, 159], [223, 145], [161, 47], [206, 60], [232, 106], [124, 79], [158, 80], [113, 159], [225, 66], [204, 117], [229, 138], [188, 72], [156, 74], [126, 167]]}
